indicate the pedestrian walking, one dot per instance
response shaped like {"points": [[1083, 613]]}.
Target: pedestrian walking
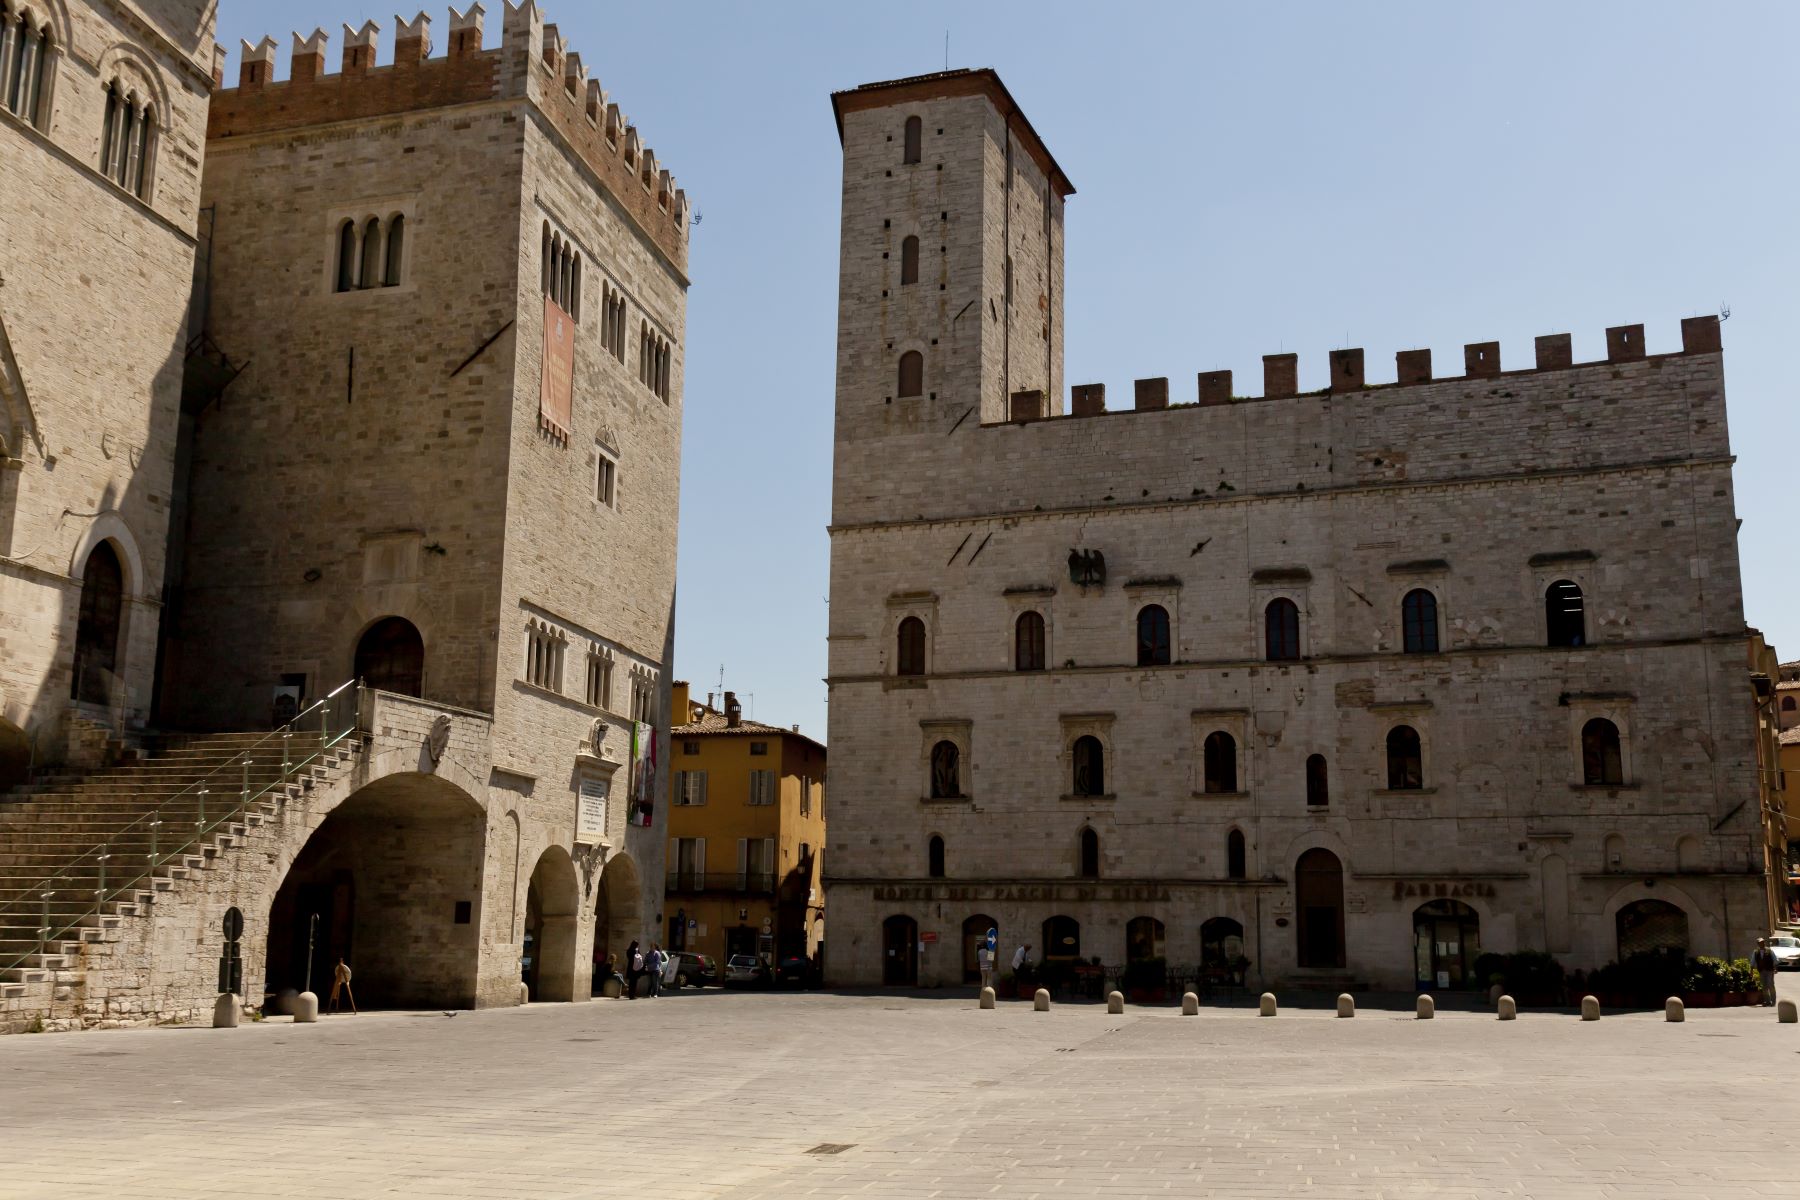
{"points": [[985, 958], [634, 968], [340, 984], [653, 964], [1763, 959]]}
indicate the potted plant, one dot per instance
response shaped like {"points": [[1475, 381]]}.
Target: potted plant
{"points": [[1705, 982]]}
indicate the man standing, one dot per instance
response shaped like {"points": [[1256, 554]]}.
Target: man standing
{"points": [[1763, 959], [1021, 958]]}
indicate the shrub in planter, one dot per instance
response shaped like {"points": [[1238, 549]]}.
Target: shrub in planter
{"points": [[1706, 976]]}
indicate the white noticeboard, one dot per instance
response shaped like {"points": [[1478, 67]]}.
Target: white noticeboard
{"points": [[590, 811]]}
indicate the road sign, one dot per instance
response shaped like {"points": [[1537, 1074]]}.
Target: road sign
{"points": [[993, 939]]}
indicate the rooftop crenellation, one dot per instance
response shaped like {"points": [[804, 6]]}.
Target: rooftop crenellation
{"points": [[1481, 360], [533, 60]]}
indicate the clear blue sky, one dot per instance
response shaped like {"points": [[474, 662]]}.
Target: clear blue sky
{"points": [[1252, 178]]}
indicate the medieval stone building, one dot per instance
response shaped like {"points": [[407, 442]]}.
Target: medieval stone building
{"points": [[1335, 688], [424, 481]]}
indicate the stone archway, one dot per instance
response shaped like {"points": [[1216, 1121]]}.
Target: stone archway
{"points": [[390, 657], [99, 627], [15, 756], [394, 877], [618, 915], [551, 907]]}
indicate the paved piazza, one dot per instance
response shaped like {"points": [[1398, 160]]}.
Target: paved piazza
{"points": [[726, 1095]]}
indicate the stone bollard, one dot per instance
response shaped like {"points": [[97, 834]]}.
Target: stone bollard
{"points": [[1266, 1006], [1190, 1004], [306, 1008], [1509, 1008], [1115, 1002], [226, 1011], [1346, 1004], [987, 997], [1674, 1010], [1786, 1013], [524, 993], [1590, 1008], [1425, 1009], [1041, 1001]]}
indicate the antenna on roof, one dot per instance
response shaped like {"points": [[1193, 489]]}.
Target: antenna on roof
{"points": [[946, 49]]}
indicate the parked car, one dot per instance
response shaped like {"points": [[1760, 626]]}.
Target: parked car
{"points": [[794, 971], [745, 970], [695, 970], [1787, 952]]}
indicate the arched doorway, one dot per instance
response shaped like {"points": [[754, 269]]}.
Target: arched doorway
{"points": [[551, 903], [1651, 927], [1222, 959], [1446, 943], [616, 910], [1062, 938], [1319, 899], [97, 626], [15, 756], [900, 952], [390, 882], [974, 937], [391, 657]]}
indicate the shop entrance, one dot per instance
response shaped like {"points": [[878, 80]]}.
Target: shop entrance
{"points": [[900, 952], [1319, 896], [1446, 943]]}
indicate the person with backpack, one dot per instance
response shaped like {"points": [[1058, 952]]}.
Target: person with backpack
{"points": [[634, 968]]}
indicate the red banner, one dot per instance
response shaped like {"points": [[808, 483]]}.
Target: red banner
{"points": [[556, 390]]}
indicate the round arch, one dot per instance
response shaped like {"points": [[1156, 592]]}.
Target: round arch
{"points": [[390, 656], [1705, 935], [552, 908], [390, 880], [618, 909]]}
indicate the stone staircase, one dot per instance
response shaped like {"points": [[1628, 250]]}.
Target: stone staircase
{"points": [[81, 855]]}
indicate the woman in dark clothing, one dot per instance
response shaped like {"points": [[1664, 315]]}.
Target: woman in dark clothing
{"points": [[632, 970]]}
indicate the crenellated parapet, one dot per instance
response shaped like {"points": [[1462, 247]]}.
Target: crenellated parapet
{"points": [[1481, 360], [533, 62]]}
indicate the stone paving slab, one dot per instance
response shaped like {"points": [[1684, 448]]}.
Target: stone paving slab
{"points": [[741, 1096]]}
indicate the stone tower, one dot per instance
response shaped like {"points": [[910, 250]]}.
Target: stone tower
{"points": [[952, 250]]}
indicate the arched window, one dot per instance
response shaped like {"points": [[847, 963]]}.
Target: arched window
{"points": [[126, 138], [1405, 759], [910, 656], [1318, 791], [1220, 755], [546, 258], [1028, 642], [1787, 704], [1090, 854], [396, 244], [946, 771], [346, 256], [934, 857], [1090, 766], [915, 137], [370, 274], [912, 373], [1564, 618], [1418, 622], [1601, 762], [26, 60], [1281, 630], [909, 260], [1152, 636], [1234, 855]]}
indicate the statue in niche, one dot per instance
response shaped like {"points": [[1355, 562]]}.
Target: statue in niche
{"points": [[1087, 568]]}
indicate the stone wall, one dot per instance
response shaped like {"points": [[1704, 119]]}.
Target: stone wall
{"points": [[93, 327]]}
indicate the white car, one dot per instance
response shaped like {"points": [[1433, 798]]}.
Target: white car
{"points": [[744, 969], [1787, 952]]}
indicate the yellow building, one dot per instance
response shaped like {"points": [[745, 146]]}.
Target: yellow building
{"points": [[746, 835]]}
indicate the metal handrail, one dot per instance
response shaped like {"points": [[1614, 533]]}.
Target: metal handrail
{"points": [[324, 715]]}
